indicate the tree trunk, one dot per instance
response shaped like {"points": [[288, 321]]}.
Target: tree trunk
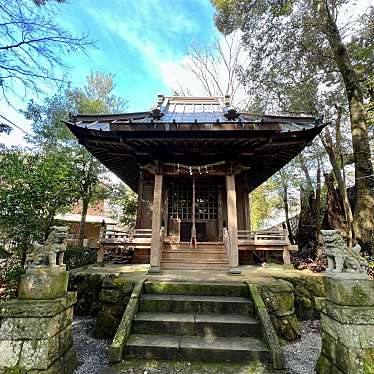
{"points": [[86, 199], [82, 225], [318, 202], [364, 206], [285, 201], [329, 147]]}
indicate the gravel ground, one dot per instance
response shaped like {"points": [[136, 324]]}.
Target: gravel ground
{"points": [[300, 355], [92, 353]]}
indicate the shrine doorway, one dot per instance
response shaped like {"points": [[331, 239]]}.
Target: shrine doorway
{"points": [[195, 201]]}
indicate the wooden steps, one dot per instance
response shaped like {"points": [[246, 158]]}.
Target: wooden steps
{"points": [[206, 256]]}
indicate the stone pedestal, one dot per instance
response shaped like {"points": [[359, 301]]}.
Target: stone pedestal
{"points": [[43, 283], [347, 322], [36, 334]]}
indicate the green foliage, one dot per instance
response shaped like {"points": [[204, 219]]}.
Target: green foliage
{"points": [[33, 188], [76, 257], [261, 205], [10, 275], [52, 135], [128, 200]]}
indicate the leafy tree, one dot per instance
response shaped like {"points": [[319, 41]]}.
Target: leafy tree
{"points": [[128, 201], [51, 134], [33, 46], [302, 39], [33, 188]]}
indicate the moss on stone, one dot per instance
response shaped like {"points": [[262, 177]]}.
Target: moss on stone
{"points": [[15, 370], [106, 325], [88, 287]]}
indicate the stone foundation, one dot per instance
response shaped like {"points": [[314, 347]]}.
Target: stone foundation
{"points": [[36, 336], [347, 322]]}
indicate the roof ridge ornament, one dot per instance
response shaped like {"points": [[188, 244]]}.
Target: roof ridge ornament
{"points": [[156, 114], [232, 114]]}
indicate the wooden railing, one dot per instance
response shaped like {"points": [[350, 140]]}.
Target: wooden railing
{"points": [[126, 236], [119, 245], [266, 241], [257, 237]]}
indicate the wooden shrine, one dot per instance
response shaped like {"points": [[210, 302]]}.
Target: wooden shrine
{"points": [[193, 162]]}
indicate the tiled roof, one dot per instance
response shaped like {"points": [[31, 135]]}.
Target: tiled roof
{"points": [[182, 109]]}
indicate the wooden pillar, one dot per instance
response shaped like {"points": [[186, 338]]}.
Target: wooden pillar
{"points": [[232, 225], [156, 225], [139, 211], [286, 252], [193, 229]]}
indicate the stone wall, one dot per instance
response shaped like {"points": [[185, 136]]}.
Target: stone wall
{"points": [[287, 299], [309, 294], [347, 322], [36, 336], [103, 296]]}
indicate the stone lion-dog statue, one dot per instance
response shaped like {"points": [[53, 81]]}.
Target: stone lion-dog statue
{"points": [[51, 253], [340, 258]]}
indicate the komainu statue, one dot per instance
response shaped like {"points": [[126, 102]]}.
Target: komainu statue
{"points": [[51, 253], [340, 259]]}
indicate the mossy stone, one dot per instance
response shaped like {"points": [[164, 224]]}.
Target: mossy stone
{"points": [[124, 285], [111, 296], [44, 285], [106, 325], [350, 292], [278, 297], [88, 291]]}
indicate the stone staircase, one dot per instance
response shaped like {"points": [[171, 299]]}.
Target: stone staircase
{"points": [[196, 322], [207, 256]]}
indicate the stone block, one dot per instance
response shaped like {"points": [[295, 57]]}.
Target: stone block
{"points": [[106, 325], [355, 315], [349, 292], [328, 348], [352, 336], [29, 328], [111, 296], [37, 308], [65, 340], [39, 354], [66, 318], [278, 295], [124, 285], [354, 361], [70, 361], [325, 366], [320, 304], [9, 353], [43, 285]]}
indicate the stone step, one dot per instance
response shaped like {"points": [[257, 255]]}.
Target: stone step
{"points": [[213, 349], [195, 304], [203, 265], [195, 288], [227, 325]]}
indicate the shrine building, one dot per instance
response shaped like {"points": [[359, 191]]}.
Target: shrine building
{"points": [[193, 161]]}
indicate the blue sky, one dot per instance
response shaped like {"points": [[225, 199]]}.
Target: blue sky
{"points": [[137, 40], [142, 42]]}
